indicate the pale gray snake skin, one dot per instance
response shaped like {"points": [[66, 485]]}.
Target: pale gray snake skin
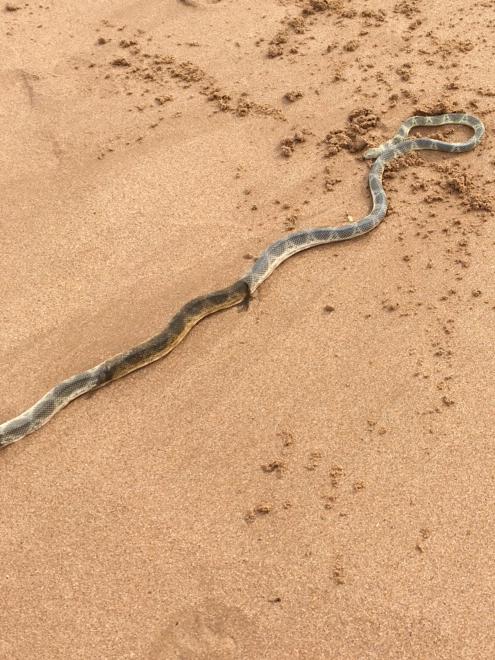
{"points": [[159, 345]]}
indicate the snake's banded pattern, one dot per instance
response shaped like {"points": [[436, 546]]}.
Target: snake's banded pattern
{"points": [[195, 310]]}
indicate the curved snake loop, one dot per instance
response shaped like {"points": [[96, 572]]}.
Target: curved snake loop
{"points": [[195, 310]]}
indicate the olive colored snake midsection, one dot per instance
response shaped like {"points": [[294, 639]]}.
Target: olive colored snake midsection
{"points": [[192, 312]]}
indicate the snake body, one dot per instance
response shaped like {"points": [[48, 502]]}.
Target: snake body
{"points": [[192, 312]]}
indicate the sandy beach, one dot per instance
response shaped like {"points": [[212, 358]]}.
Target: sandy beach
{"points": [[311, 477]]}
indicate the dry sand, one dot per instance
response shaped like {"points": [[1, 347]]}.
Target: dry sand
{"points": [[312, 478]]}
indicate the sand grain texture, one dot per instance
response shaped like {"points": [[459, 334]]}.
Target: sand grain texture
{"points": [[312, 478]]}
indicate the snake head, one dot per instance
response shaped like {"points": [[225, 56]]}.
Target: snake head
{"points": [[386, 146], [373, 153]]}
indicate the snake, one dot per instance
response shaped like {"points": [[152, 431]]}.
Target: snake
{"points": [[241, 291]]}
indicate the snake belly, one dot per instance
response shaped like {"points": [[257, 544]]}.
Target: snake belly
{"points": [[192, 312]]}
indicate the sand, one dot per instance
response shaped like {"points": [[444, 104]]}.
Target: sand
{"points": [[313, 477]]}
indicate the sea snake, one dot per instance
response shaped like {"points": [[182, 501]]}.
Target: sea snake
{"points": [[192, 312]]}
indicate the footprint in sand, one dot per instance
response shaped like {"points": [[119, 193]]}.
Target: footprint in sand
{"points": [[209, 631]]}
